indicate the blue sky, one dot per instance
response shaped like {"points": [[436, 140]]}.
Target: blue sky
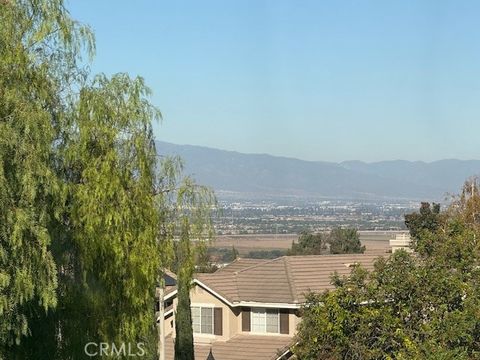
{"points": [[317, 80]]}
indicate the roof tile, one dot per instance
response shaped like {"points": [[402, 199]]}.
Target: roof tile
{"points": [[283, 280]]}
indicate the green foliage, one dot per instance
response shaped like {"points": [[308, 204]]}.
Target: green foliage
{"points": [[265, 254], [234, 254], [186, 210], [88, 215], [422, 223], [220, 255], [401, 310], [204, 263], [38, 43], [345, 241], [184, 349], [339, 241], [466, 206], [411, 306], [309, 244]]}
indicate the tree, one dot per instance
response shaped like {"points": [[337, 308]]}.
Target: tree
{"points": [[184, 349], [340, 241], [427, 218], [88, 214], [466, 206], [345, 241], [38, 43], [186, 210], [265, 254], [401, 310], [422, 306], [309, 244]]}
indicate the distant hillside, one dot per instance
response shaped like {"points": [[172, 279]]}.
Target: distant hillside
{"points": [[258, 175]]}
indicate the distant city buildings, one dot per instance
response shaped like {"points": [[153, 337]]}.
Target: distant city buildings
{"points": [[267, 217]]}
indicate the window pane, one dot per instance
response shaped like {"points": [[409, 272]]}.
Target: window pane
{"points": [[196, 319], [272, 321], [258, 320], [207, 321]]}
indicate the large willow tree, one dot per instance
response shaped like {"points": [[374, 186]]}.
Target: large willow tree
{"points": [[38, 43], [87, 212]]}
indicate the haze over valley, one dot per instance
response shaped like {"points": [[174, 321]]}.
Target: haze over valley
{"points": [[235, 175]]}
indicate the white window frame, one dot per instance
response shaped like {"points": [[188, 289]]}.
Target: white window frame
{"points": [[264, 311], [204, 306]]}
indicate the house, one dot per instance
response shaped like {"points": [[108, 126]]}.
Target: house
{"points": [[401, 242], [250, 308]]}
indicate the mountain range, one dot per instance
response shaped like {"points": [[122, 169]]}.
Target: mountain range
{"points": [[258, 176]]}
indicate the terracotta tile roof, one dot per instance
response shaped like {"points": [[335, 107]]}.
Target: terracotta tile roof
{"points": [[222, 281], [240, 347], [313, 273], [240, 264], [282, 280]]}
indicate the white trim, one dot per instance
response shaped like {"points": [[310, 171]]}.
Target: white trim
{"points": [[206, 305], [282, 355], [248, 303], [174, 292], [167, 313], [204, 336], [268, 305]]}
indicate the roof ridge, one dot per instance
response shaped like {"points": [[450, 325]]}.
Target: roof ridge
{"points": [[237, 290], [291, 282], [256, 265], [332, 255]]}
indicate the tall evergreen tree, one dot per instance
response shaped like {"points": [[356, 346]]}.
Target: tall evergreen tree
{"points": [[184, 349], [190, 219]]}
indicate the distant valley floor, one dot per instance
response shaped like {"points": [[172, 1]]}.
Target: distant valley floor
{"points": [[374, 241]]}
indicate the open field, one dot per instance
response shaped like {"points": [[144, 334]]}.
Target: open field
{"points": [[375, 241]]}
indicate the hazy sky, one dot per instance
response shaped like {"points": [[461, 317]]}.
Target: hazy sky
{"points": [[318, 80]]}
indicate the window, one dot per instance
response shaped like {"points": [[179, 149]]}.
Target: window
{"points": [[202, 320], [265, 320]]}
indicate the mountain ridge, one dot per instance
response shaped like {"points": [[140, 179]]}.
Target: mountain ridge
{"points": [[262, 174]]}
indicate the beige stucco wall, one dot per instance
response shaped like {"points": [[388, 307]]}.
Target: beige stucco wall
{"points": [[200, 296], [169, 323], [231, 318], [294, 321]]}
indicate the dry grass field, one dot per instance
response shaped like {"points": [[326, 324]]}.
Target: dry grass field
{"points": [[374, 241]]}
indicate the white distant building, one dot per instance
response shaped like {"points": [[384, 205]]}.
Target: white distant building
{"points": [[401, 241]]}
